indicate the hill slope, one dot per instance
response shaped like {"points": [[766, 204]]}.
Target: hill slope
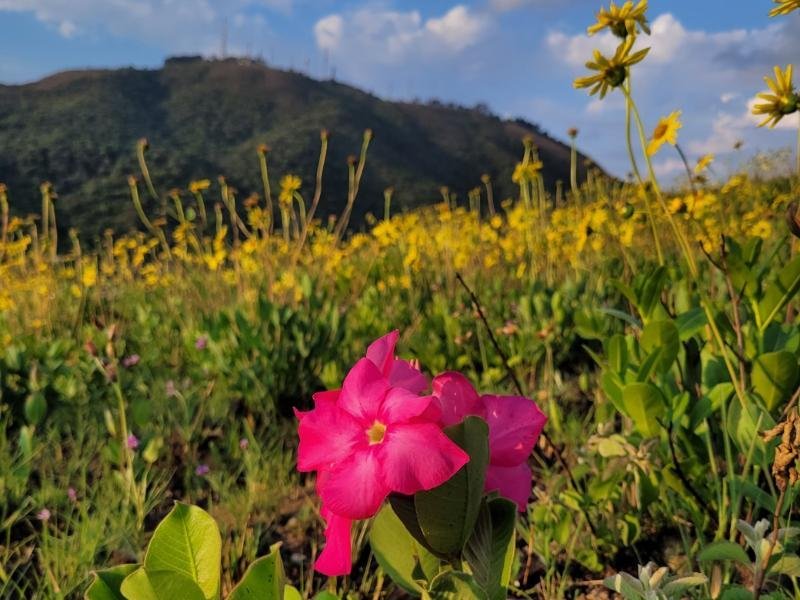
{"points": [[204, 118]]}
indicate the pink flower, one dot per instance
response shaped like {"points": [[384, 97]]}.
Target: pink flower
{"points": [[374, 437], [202, 470], [132, 442], [401, 373], [515, 424], [131, 361]]}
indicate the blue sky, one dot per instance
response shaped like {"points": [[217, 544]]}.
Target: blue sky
{"points": [[708, 57]]}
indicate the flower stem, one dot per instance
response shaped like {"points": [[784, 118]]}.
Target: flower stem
{"points": [[626, 89]]}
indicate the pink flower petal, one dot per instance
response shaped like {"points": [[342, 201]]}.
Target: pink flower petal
{"points": [[335, 558], [326, 397], [327, 435], [513, 483], [418, 456], [514, 426], [405, 375], [381, 351], [363, 391], [355, 487], [456, 397], [401, 405]]}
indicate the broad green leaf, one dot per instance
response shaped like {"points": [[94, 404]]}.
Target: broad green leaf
{"points": [[648, 293], [398, 553], [144, 584], [326, 596], [644, 404], [788, 564], [736, 592], [486, 551], [106, 583], [447, 514], [188, 542], [263, 580], [779, 292], [774, 377], [724, 550], [455, 585], [622, 583], [746, 424], [661, 337], [291, 593], [690, 323]]}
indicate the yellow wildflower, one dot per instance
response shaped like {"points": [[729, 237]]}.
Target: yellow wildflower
{"points": [[784, 7], [665, 131], [703, 163], [622, 20], [289, 185], [611, 72], [781, 102]]}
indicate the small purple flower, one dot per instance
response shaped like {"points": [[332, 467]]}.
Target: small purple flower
{"points": [[244, 443], [170, 389], [72, 495], [132, 442], [202, 470], [131, 361], [201, 342], [43, 515]]}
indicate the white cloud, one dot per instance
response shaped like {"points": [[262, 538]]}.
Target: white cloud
{"points": [[375, 35], [457, 28], [178, 25], [669, 167]]}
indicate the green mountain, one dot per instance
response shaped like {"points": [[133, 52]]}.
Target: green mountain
{"points": [[204, 118]]}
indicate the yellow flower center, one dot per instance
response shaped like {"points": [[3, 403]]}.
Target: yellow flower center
{"points": [[376, 433], [661, 131]]}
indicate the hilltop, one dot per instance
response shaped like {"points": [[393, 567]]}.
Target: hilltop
{"points": [[204, 118]]}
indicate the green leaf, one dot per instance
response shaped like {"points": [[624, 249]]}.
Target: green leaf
{"points": [[780, 292], [35, 408], [188, 542], [788, 564], [398, 553], [455, 585], [326, 596], [644, 404], [690, 323], [487, 552], [106, 583], [291, 593], [681, 584], [263, 580], [724, 550], [661, 337], [774, 377], [628, 586], [447, 514], [617, 351], [736, 592], [144, 584]]}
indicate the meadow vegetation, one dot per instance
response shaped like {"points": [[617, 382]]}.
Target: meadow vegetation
{"points": [[657, 330]]}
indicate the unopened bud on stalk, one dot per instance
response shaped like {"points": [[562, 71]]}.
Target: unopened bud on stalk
{"points": [[572, 132], [324, 134], [263, 149]]}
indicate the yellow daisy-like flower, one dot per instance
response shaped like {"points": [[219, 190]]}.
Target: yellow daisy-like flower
{"points": [[784, 7], [623, 21], [665, 131], [781, 102], [611, 72], [289, 185], [703, 163], [524, 172]]}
